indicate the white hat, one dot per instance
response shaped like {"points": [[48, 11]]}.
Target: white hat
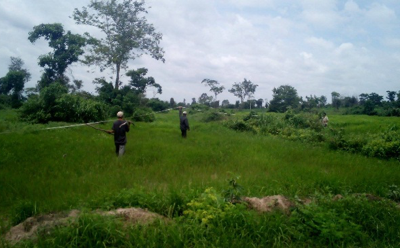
{"points": [[120, 114], [184, 112]]}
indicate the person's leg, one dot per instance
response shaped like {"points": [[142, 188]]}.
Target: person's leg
{"points": [[117, 149], [184, 133], [121, 150]]}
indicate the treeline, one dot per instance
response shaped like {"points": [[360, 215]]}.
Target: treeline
{"points": [[285, 98], [126, 35]]}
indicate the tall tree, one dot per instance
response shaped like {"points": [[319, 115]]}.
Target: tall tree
{"points": [[13, 83], [259, 102], [225, 103], [139, 82], [127, 34], [17, 64], [391, 95], [172, 102], [67, 48], [205, 99], [243, 89], [213, 84], [336, 99], [283, 97]]}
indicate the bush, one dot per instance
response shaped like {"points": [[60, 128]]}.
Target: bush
{"points": [[54, 104], [213, 116], [385, 145], [240, 126], [144, 115], [207, 208], [113, 110]]}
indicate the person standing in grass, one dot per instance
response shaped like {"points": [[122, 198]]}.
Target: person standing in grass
{"points": [[325, 120], [184, 123], [119, 129]]}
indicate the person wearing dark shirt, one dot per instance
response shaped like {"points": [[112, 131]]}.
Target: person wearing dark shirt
{"points": [[119, 129], [184, 123]]}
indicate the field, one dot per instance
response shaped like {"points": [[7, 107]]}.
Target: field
{"points": [[76, 168]]}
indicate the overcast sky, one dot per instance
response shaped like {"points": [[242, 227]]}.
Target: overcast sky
{"points": [[316, 46]]}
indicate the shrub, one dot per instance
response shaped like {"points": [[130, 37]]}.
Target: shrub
{"points": [[251, 115], [393, 193], [54, 104], [144, 115], [239, 126], [385, 145], [113, 110], [207, 208], [213, 116]]}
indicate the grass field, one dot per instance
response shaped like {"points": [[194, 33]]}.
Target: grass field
{"points": [[76, 168]]}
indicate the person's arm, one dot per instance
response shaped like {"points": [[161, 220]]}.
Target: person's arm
{"points": [[180, 111], [187, 124]]}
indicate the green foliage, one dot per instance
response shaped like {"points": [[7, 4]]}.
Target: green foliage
{"points": [[139, 83], [393, 193], [12, 85], [208, 208], [23, 210], [76, 168], [284, 97], [234, 193], [89, 230], [67, 48], [325, 225], [307, 127], [143, 115], [384, 145], [243, 89], [210, 116], [54, 104], [240, 126], [196, 108], [128, 35], [157, 105]]}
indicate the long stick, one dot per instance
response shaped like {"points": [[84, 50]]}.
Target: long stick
{"points": [[98, 128]]}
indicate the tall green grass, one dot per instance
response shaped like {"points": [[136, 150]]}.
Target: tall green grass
{"points": [[77, 168]]}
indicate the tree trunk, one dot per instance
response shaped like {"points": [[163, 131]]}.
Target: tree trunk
{"points": [[117, 78]]}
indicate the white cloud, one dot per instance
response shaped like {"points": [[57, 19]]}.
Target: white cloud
{"points": [[380, 14], [320, 42], [316, 46]]}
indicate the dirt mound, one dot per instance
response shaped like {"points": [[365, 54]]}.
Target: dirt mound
{"points": [[28, 229], [269, 203], [45, 223], [135, 215]]}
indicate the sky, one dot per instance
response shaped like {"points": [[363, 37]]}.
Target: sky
{"points": [[347, 46]]}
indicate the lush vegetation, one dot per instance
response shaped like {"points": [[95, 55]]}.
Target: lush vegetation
{"points": [[197, 184], [381, 140], [189, 181]]}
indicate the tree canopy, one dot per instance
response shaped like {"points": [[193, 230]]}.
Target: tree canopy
{"points": [[283, 97], [243, 89], [67, 48], [13, 83], [139, 82], [128, 35], [213, 84]]}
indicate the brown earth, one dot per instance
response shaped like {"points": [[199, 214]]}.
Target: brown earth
{"points": [[45, 223], [269, 203]]}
